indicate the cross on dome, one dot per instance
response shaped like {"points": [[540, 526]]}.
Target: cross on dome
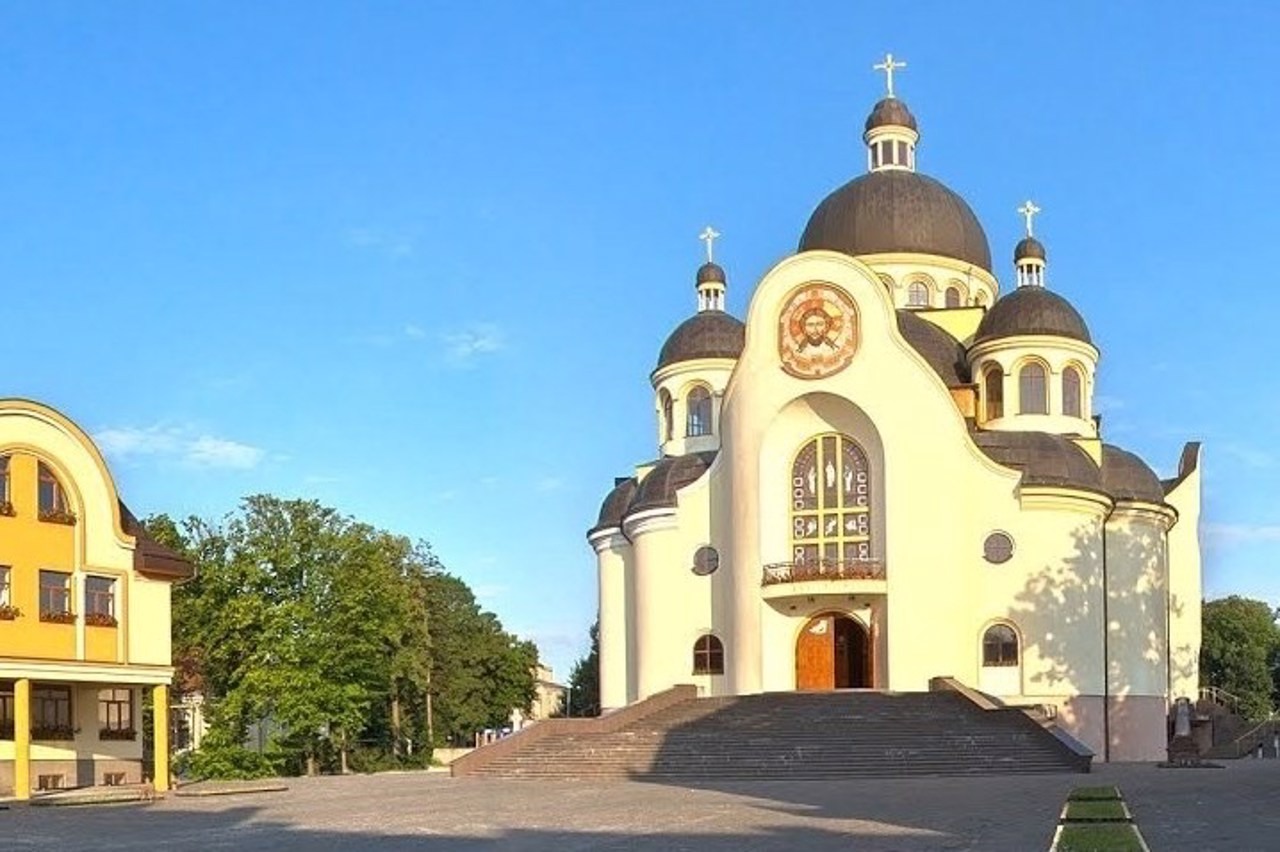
{"points": [[709, 235], [888, 67], [1029, 210]]}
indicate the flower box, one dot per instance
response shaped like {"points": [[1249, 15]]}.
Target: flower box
{"points": [[117, 734], [58, 617], [7, 510], [53, 732], [8, 612], [100, 619], [58, 516], [6, 730]]}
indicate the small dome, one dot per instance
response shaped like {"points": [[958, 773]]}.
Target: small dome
{"points": [[706, 334], [1127, 477], [615, 505], [1044, 459], [710, 272], [1029, 247], [1032, 310], [658, 489], [897, 211], [944, 353], [891, 111]]}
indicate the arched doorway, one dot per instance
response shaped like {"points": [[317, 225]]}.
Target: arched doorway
{"points": [[833, 651]]}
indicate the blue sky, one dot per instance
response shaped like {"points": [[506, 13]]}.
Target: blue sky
{"points": [[417, 262]]}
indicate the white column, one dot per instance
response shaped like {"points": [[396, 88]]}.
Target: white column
{"points": [[613, 552], [657, 657]]}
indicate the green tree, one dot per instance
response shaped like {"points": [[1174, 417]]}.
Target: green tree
{"points": [[584, 680], [1238, 651]]}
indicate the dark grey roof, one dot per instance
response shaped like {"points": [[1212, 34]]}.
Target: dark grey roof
{"points": [[615, 505], [658, 489], [890, 111], [710, 272], [897, 211], [1032, 310], [1127, 477], [944, 353], [706, 334], [1044, 459], [1187, 465], [1028, 247]]}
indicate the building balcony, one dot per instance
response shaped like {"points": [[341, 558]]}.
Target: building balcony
{"points": [[823, 577]]}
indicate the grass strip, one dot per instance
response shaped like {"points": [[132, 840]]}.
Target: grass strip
{"points": [[1095, 810], [1099, 838], [1095, 793]]}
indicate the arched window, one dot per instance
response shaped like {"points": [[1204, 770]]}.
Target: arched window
{"points": [[953, 297], [4, 481], [52, 501], [993, 386], [830, 504], [1071, 393], [1000, 646], [708, 655], [981, 299], [918, 295], [698, 412], [1033, 396], [668, 421]]}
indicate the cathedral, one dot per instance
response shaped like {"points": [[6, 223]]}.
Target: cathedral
{"points": [[892, 471]]}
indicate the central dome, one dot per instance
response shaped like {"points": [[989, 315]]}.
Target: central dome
{"points": [[897, 211]]}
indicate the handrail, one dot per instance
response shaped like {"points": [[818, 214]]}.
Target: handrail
{"points": [[1255, 737], [822, 569], [1218, 695]]}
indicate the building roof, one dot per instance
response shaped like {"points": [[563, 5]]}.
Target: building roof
{"points": [[944, 353], [615, 505], [1127, 477], [710, 272], [1044, 459], [890, 111], [1032, 310], [151, 557], [897, 211], [658, 489], [706, 334], [1029, 247]]}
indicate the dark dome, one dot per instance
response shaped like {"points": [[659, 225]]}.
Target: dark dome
{"points": [[706, 334], [1127, 477], [897, 211], [615, 505], [710, 272], [1032, 310], [944, 353], [1028, 247], [891, 111], [658, 489], [1044, 459]]}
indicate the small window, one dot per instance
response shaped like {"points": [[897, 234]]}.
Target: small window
{"points": [[998, 548], [112, 779], [6, 710], [886, 153], [48, 782], [1033, 397], [993, 385], [981, 299], [115, 714], [6, 596], [4, 481], [1071, 392], [100, 601], [55, 596], [1000, 646], [698, 414], [708, 655], [918, 295], [668, 414], [706, 560], [902, 153], [51, 713], [953, 297]]}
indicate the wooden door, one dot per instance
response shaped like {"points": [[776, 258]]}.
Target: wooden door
{"points": [[816, 654]]}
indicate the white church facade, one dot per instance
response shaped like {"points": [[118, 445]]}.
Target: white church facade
{"points": [[892, 471]]}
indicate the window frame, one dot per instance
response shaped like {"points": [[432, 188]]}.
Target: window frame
{"points": [[116, 714], [994, 650], [668, 406], [812, 545], [6, 491], [46, 612], [708, 655], [1077, 394], [8, 710], [1042, 398], [958, 297], [916, 287], [6, 585], [993, 379], [59, 698], [692, 414]]}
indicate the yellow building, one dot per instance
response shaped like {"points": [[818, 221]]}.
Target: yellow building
{"points": [[84, 614]]}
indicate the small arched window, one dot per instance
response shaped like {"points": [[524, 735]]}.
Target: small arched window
{"points": [[1033, 396], [4, 481], [698, 412], [993, 387], [708, 655], [52, 500], [668, 411], [1071, 393], [1000, 646], [953, 297], [981, 299], [918, 295]]}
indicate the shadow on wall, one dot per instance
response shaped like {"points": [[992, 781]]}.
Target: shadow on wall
{"points": [[1065, 604]]}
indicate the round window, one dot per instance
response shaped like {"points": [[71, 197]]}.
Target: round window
{"points": [[998, 548], [705, 561]]}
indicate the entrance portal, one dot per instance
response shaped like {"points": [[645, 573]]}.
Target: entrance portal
{"points": [[833, 652]]}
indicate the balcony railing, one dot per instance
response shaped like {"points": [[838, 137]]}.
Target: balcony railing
{"points": [[822, 569]]}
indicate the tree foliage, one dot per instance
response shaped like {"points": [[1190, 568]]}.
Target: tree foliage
{"points": [[584, 680], [341, 635], [1239, 649]]}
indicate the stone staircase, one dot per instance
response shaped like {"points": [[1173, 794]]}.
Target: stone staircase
{"points": [[795, 735]]}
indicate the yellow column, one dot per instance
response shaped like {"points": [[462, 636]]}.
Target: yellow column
{"points": [[160, 724], [22, 738]]}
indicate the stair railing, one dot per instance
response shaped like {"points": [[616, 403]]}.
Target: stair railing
{"points": [[1221, 697]]}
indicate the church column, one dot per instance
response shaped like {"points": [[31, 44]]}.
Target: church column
{"points": [[22, 738], [660, 662], [612, 552], [160, 725]]}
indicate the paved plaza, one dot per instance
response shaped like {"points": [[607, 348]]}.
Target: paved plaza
{"points": [[1203, 810]]}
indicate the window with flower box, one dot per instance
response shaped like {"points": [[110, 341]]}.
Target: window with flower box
{"points": [[51, 499], [51, 713], [100, 601], [115, 714], [55, 597]]}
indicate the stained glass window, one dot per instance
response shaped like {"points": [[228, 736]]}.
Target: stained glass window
{"points": [[830, 502]]}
